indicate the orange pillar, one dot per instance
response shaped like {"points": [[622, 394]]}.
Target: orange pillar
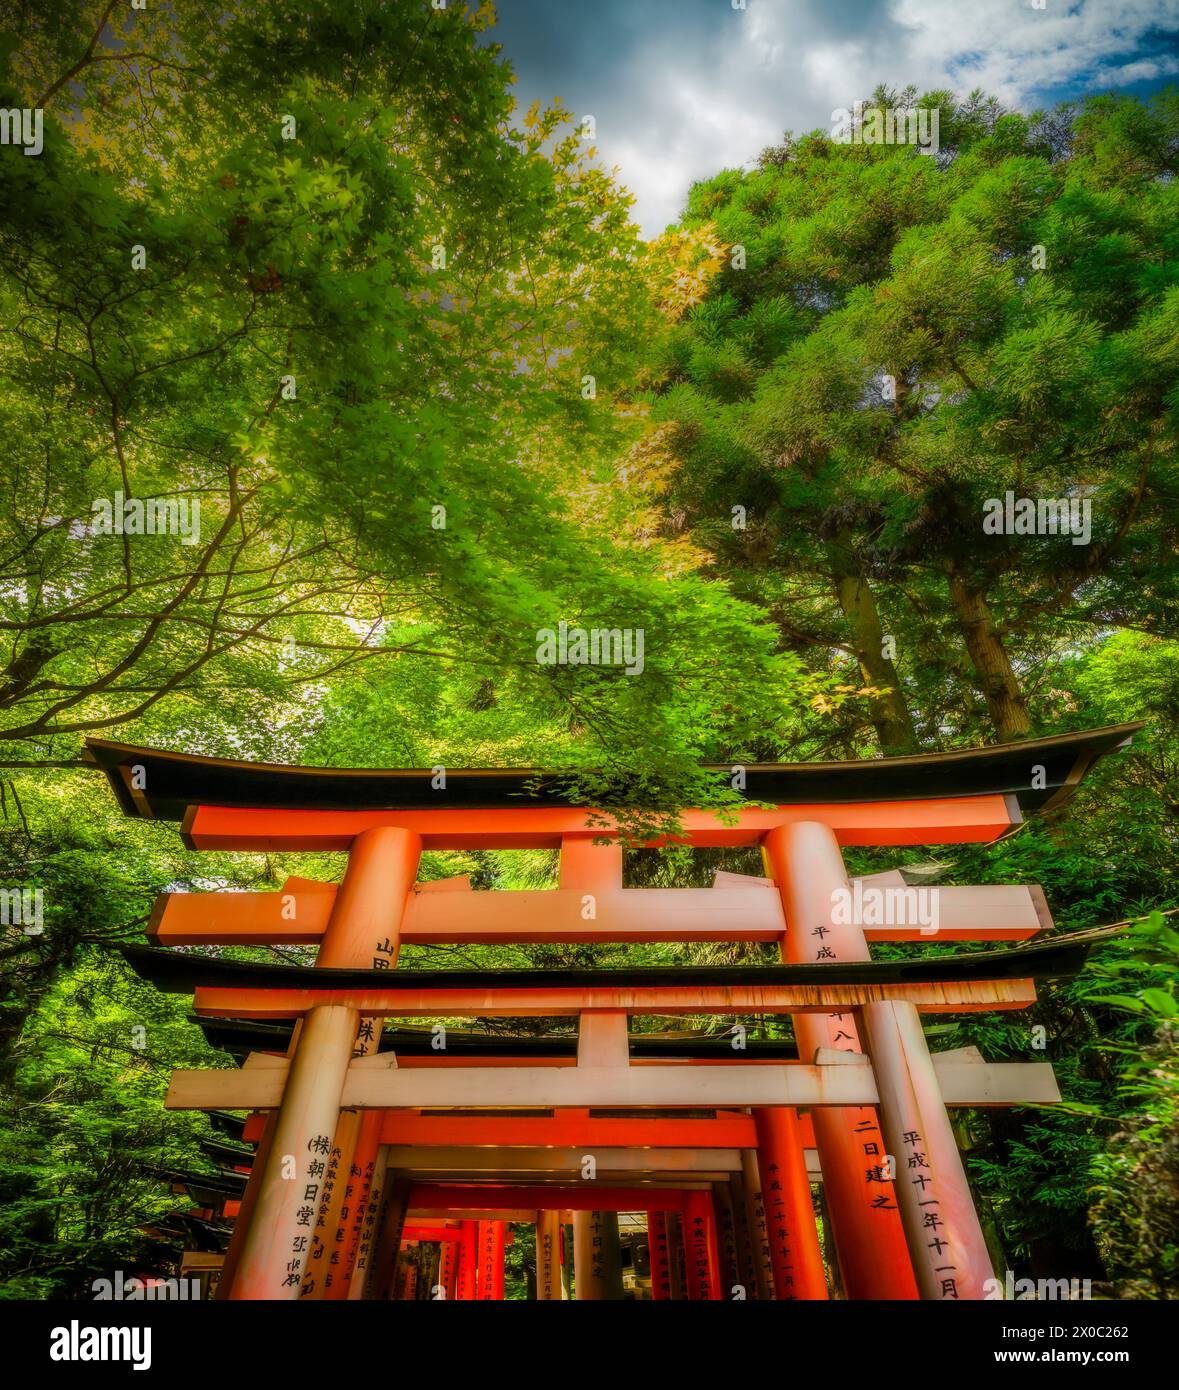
{"points": [[714, 1252], [361, 1191], [657, 1244], [364, 927], [790, 1215], [805, 861], [676, 1254], [700, 1246], [483, 1240], [444, 1290], [588, 866], [370, 1229], [949, 1251], [492, 1239], [467, 1261], [501, 1241]]}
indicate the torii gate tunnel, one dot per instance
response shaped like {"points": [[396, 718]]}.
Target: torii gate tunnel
{"points": [[371, 1148]]}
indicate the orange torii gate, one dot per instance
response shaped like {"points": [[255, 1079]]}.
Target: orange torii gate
{"points": [[344, 1144]]}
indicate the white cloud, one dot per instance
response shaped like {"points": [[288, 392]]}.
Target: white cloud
{"points": [[787, 64]]}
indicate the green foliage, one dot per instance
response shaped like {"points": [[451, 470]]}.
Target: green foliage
{"points": [[906, 338], [1134, 1213]]}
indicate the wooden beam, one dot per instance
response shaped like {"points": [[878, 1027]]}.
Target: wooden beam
{"points": [[704, 1177], [935, 820], [597, 1133], [931, 997], [495, 1159], [260, 1088], [445, 1197], [720, 1129], [726, 1129], [797, 1084], [986, 912], [960, 1069], [484, 1213], [436, 1232], [298, 914], [439, 1061]]}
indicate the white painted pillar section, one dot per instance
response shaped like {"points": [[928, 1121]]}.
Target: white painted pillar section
{"points": [[946, 1243]]}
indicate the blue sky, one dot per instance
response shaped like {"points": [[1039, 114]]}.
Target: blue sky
{"points": [[682, 88]]}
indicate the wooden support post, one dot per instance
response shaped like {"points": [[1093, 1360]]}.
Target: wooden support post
{"points": [[565, 1265], [397, 1293], [675, 1255], [714, 1254], [249, 1201], [759, 1236], [657, 1245], [407, 1290], [699, 1222], [790, 1214], [361, 1190], [492, 1239], [323, 1265], [597, 1265], [732, 1286], [548, 1256], [483, 1243], [443, 1291], [283, 1221], [747, 1270], [363, 928], [382, 1271], [500, 1250], [468, 1261], [587, 866], [805, 860], [597, 1256], [946, 1242], [602, 1039], [370, 1227]]}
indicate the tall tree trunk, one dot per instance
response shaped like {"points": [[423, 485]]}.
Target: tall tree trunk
{"points": [[890, 713], [992, 666]]}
